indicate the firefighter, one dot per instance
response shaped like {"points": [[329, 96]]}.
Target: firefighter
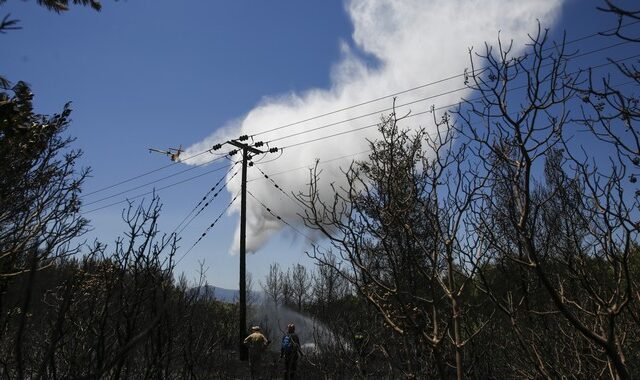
{"points": [[256, 342], [289, 351]]}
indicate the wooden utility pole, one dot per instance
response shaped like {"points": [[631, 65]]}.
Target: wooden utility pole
{"points": [[242, 328]]}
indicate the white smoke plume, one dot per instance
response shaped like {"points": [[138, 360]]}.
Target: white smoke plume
{"points": [[412, 42]]}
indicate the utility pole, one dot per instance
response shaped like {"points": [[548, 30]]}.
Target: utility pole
{"points": [[242, 328], [247, 149]]}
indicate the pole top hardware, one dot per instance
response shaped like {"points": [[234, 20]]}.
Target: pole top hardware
{"points": [[245, 146]]}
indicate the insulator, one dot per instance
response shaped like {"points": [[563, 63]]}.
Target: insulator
{"points": [[273, 150], [217, 146], [243, 137], [259, 143]]}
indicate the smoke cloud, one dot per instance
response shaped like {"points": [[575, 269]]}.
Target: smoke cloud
{"points": [[410, 43]]}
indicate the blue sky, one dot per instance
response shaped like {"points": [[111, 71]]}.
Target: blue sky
{"points": [[144, 74]]}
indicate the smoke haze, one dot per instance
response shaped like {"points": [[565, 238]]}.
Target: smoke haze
{"points": [[411, 43]]}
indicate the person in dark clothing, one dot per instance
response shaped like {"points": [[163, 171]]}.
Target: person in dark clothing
{"points": [[289, 351]]}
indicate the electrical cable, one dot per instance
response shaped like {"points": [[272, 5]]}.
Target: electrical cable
{"points": [[207, 204], [344, 121], [279, 217], [433, 109], [311, 165], [156, 190], [205, 197], [377, 112], [567, 43], [152, 182], [277, 186], [451, 77], [143, 174], [261, 162], [612, 62], [209, 228]]}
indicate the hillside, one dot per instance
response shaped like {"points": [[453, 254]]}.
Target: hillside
{"points": [[228, 295]]}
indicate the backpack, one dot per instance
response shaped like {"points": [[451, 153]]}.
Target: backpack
{"points": [[287, 344]]}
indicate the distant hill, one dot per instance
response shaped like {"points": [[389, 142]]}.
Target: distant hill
{"points": [[228, 295]]}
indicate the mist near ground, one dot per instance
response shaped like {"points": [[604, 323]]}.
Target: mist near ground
{"points": [[273, 321]]}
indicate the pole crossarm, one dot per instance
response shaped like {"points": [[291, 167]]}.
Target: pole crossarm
{"points": [[243, 146]]}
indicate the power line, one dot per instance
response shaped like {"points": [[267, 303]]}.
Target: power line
{"points": [[143, 174], [152, 182], [395, 94], [269, 177], [279, 217], [268, 209], [207, 204], [377, 112], [612, 62], [156, 190], [309, 165], [230, 153], [592, 35], [254, 197], [276, 185], [451, 77], [204, 198], [210, 227], [372, 125], [217, 146], [360, 104], [271, 160]]}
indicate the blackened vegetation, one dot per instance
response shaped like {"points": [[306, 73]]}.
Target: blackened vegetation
{"points": [[68, 310], [502, 241], [114, 314]]}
